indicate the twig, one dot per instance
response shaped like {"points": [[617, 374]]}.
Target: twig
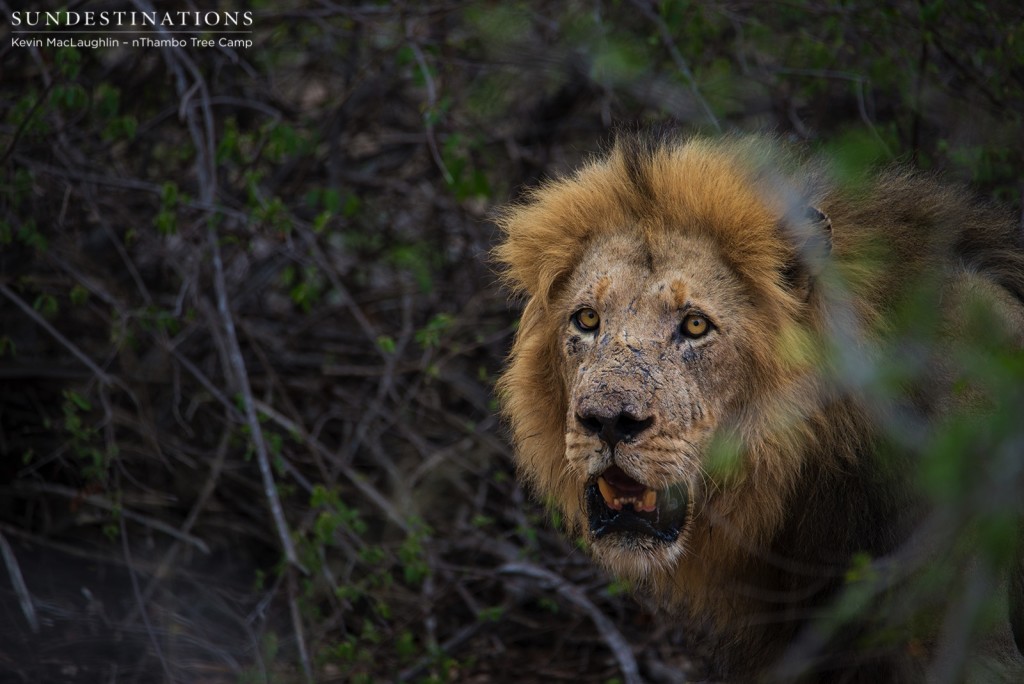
{"points": [[862, 109], [45, 325], [385, 387], [70, 549], [618, 645], [861, 84], [249, 404], [296, 614], [207, 491], [206, 172], [341, 291], [43, 96], [450, 644], [428, 122], [666, 38], [18, 582], [915, 121], [367, 489], [142, 608], [101, 502], [122, 183]]}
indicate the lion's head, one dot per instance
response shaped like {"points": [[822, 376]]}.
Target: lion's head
{"points": [[662, 282]]}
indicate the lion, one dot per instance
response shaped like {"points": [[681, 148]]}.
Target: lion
{"points": [[680, 388]]}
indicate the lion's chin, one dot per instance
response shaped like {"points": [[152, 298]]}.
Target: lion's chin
{"points": [[627, 514], [636, 558]]}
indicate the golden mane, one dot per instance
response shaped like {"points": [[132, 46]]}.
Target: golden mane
{"points": [[732, 192], [761, 222]]}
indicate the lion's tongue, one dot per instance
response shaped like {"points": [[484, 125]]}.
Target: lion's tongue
{"points": [[618, 489]]}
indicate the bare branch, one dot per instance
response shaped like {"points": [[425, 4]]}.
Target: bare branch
{"points": [[618, 644], [300, 639], [100, 374], [117, 509], [18, 584], [647, 9], [142, 609], [430, 111]]}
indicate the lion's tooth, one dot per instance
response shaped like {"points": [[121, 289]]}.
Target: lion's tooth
{"points": [[650, 501], [606, 491]]}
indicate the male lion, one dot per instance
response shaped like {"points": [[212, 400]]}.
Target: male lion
{"points": [[690, 387]]}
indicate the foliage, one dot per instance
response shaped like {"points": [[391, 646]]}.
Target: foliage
{"points": [[310, 214]]}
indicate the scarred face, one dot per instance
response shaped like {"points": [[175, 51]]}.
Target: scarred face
{"points": [[652, 343]]}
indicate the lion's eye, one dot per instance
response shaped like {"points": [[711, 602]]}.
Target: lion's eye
{"points": [[695, 326], [586, 319]]}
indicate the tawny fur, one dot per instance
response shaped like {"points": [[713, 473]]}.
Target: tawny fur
{"points": [[656, 227]]}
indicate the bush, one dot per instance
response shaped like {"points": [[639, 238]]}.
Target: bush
{"points": [[247, 427]]}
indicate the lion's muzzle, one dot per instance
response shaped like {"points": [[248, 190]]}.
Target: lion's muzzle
{"points": [[616, 405]]}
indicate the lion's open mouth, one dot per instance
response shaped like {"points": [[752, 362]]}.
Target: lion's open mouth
{"points": [[616, 503]]}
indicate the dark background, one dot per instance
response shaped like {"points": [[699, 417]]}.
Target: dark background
{"points": [[249, 331]]}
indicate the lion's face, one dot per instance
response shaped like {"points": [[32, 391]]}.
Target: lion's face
{"points": [[661, 288], [653, 349]]}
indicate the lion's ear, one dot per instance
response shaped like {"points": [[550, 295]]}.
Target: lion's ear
{"points": [[809, 234]]}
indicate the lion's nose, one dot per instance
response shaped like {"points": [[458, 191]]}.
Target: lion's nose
{"points": [[612, 428]]}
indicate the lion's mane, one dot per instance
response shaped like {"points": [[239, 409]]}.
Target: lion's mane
{"points": [[810, 493]]}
